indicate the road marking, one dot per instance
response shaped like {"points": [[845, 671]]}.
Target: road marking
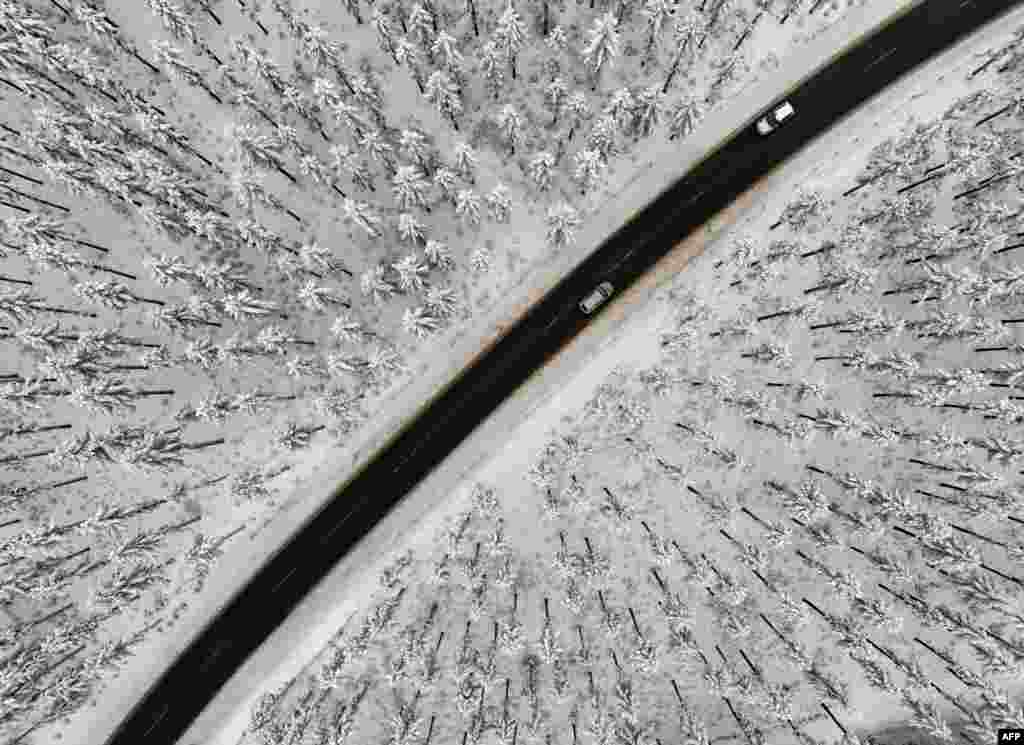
{"points": [[879, 59], [966, 2], [333, 530], [283, 580], [401, 463], [695, 197], [163, 713]]}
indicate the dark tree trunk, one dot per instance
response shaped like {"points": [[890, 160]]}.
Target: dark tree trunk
{"points": [[115, 272], [672, 72], [280, 169], [13, 206], [46, 202], [212, 95], [30, 179]]}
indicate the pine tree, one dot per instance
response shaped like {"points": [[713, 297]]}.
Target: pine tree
{"points": [[346, 163], [480, 261], [172, 60], [419, 322], [578, 109], [318, 299], [499, 203], [444, 94], [410, 188], [446, 46], [510, 122], [509, 35], [410, 229], [374, 284], [562, 221], [258, 150], [408, 54], [446, 181], [588, 169], [602, 44], [468, 206], [684, 33], [492, 68], [465, 160], [656, 14], [441, 301], [555, 93], [385, 32], [541, 170], [410, 273], [686, 113], [362, 215]]}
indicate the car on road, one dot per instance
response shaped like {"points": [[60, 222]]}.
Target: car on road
{"points": [[596, 297], [774, 118]]}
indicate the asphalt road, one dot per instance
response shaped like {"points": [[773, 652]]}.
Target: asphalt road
{"points": [[167, 710]]}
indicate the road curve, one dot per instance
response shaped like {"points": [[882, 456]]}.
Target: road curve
{"points": [[167, 710]]}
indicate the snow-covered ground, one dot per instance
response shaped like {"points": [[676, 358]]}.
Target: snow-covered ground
{"points": [[133, 553], [925, 466]]}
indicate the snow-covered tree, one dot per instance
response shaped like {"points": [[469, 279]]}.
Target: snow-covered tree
{"points": [[374, 284], [441, 301], [541, 170], [492, 68], [419, 322], [465, 160], [657, 14], [499, 203], [480, 260], [602, 45], [362, 215], [317, 298], [410, 188], [411, 273], [381, 23], [346, 163], [447, 47], [442, 91], [438, 254], [510, 122], [468, 206], [683, 118], [173, 62], [410, 229], [509, 35], [375, 144], [562, 221], [588, 169], [446, 181], [647, 110]]}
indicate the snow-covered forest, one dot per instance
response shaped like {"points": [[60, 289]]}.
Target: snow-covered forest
{"points": [[232, 231], [801, 522]]}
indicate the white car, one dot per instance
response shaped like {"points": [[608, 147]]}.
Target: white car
{"points": [[596, 297], [771, 121]]}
